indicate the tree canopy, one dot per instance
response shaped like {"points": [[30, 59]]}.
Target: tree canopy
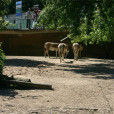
{"points": [[90, 21], [3, 11], [3, 7]]}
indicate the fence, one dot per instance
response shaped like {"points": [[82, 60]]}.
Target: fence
{"points": [[19, 23]]}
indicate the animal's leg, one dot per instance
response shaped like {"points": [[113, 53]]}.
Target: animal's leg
{"points": [[45, 54], [58, 54], [74, 56], [77, 55], [48, 53], [63, 56], [60, 57]]}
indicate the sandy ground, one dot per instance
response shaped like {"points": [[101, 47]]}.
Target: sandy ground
{"points": [[82, 87]]}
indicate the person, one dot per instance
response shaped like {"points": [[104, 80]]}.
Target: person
{"points": [[36, 11], [28, 17]]}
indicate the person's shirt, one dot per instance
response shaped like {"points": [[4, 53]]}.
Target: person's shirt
{"points": [[36, 11], [28, 15]]}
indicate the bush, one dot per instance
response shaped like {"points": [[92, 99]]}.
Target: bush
{"points": [[2, 59]]}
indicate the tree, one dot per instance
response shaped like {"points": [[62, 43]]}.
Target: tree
{"points": [[3, 24], [79, 18], [101, 29], [2, 59], [3, 7]]}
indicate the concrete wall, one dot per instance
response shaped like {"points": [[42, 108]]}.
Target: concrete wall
{"points": [[28, 42], [97, 51], [31, 42]]}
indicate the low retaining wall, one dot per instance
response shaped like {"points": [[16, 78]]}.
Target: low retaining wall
{"points": [[28, 42], [31, 42]]}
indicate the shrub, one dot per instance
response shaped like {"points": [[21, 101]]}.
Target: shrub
{"points": [[2, 59]]}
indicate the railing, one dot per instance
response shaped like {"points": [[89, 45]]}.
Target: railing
{"points": [[19, 23]]}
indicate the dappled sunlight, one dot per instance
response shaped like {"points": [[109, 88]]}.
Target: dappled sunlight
{"points": [[91, 68]]}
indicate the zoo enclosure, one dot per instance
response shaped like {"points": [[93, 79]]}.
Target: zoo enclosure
{"points": [[31, 42]]}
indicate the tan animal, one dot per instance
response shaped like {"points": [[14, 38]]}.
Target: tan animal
{"points": [[66, 50], [63, 51], [50, 46], [76, 48], [80, 51]]}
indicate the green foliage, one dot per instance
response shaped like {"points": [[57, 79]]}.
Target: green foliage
{"points": [[11, 26], [3, 7], [2, 59], [3, 24], [65, 13], [101, 30], [90, 21]]}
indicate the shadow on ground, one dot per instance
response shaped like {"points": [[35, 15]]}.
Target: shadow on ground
{"points": [[103, 70], [27, 63], [8, 92]]}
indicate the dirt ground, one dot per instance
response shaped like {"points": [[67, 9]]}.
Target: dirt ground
{"points": [[82, 87]]}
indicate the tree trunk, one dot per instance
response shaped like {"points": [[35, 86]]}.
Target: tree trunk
{"points": [[27, 85]]}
